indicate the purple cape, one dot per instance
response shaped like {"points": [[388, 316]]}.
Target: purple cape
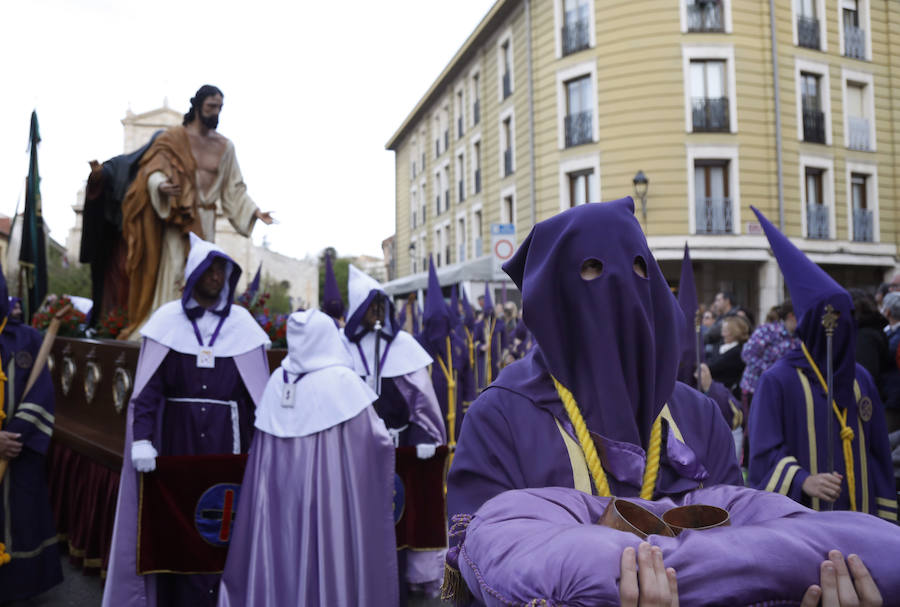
{"points": [[315, 521], [124, 587], [544, 545]]}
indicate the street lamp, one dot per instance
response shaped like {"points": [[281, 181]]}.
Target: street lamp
{"points": [[641, 182]]}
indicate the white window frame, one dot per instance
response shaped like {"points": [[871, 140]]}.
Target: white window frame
{"points": [[559, 21], [823, 24], [726, 16], [474, 94], [438, 191], [463, 174], [509, 191], [825, 163], [868, 80], [506, 36], [509, 112], [476, 140], [462, 235], [715, 152], [439, 135], [871, 170], [423, 254], [413, 266], [820, 69], [476, 208], [461, 88], [865, 23], [585, 68], [716, 52], [571, 165], [413, 207]]}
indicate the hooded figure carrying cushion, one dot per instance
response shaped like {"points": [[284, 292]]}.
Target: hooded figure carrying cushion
{"points": [[788, 422], [594, 411], [395, 366], [201, 372], [315, 524]]}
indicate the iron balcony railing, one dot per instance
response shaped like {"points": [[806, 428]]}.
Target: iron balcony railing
{"points": [[462, 190], [507, 163], [817, 222], [854, 42], [714, 215], [710, 114], [578, 129], [858, 133], [476, 112], [507, 85], [575, 36], [808, 32], [459, 127], [705, 16], [479, 249], [813, 126], [477, 180], [863, 225]]}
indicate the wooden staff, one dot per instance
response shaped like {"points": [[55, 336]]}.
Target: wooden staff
{"points": [[40, 361]]}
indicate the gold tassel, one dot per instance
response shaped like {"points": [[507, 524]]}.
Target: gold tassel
{"points": [[454, 587]]}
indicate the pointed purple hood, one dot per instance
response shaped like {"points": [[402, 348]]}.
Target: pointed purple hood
{"points": [[455, 320], [436, 317], [812, 289], [332, 302], [614, 341], [468, 313], [488, 309], [687, 300]]}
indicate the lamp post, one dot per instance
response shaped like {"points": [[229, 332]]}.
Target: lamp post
{"points": [[641, 182]]}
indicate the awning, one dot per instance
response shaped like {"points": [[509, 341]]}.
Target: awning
{"points": [[480, 269]]}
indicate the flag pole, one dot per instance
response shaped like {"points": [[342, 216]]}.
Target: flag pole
{"points": [[829, 321]]}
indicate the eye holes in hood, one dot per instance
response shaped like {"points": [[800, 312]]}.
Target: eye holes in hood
{"points": [[640, 266], [591, 268]]}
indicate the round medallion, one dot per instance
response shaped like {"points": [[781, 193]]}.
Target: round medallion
{"points": [[67, 375], [24, 359], [215, 513], [120, 388], [92, 376], [865, 408]]}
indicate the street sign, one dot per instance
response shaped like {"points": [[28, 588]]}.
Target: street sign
{"points": [[503, 245]]}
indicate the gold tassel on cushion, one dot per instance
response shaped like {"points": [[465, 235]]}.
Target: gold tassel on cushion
{"points": [[454, 588]]}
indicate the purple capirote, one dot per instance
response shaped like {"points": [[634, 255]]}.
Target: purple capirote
{"points": [[314, 523]]}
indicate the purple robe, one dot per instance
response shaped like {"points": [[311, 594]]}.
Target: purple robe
{"points": [[156, 366], [788, 426], [496, 451], [480, 338], [338, 547], [544, 545], [26, 519]]}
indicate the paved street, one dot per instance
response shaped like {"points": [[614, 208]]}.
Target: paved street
{"points": [[79, 590]]}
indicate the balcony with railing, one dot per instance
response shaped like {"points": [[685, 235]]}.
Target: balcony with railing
{"points": [[705, 16], [813, 125], [462, 190], [714, 215], [854, 42], [476, 111], [863, 222], [808, 32], [817, 222], [576, 35], [710, 114], [507, 163], [459, 127], [477, 181], [507, 85], [579, 128], [858, 133]]}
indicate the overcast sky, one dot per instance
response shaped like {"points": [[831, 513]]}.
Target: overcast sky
{"points": [[313, 91]]}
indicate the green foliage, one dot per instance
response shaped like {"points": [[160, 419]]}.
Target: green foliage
{"points": [[74, 280], [341, 271], [279, 301]]}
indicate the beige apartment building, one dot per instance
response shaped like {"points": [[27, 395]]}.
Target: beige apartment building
{"points": [[553, 103]]}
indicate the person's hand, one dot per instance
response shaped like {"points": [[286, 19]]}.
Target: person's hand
{"points": [[10, 446], [266, 217], [645, 582], [169, 188], [826, 486], [705, 378], [425, 451], [838, 589], [143, 456]]}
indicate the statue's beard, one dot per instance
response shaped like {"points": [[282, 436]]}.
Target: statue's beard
{"points": [[210, 122]]}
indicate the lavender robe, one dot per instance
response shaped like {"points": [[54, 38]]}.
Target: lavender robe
{"points": [[124, 587], [497, 449], [314, 523], [543, 545], [26, 519], [788, 426]]}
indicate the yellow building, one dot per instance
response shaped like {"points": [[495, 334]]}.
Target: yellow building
{"points": [[553, 103]]}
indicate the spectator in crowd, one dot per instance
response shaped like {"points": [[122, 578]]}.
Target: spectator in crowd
{"points": [[871, 341], [726, 365], [767, 344], [722, 306], [883, 289]]}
